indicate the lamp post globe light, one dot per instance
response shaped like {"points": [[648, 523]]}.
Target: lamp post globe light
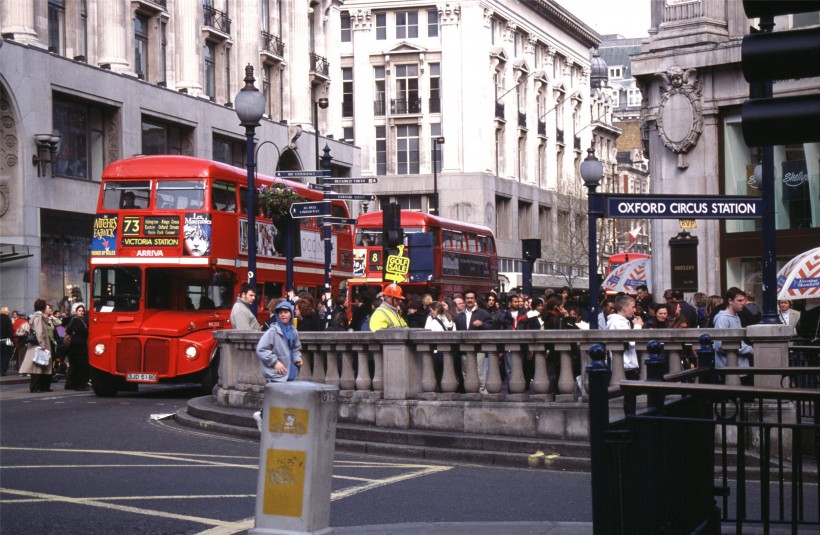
{"points": [[250, 105], [592, 172]]}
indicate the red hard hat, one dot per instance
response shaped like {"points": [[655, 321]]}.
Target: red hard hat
{"points": [[393, 290]]}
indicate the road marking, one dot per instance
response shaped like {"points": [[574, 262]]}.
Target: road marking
{"points": [[96, 503]]}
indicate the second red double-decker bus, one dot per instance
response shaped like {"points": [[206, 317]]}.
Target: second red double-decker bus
{"points": [[168, 255], [457, 256]]}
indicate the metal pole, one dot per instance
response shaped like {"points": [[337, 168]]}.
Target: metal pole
{"points": [[325, 161], [289, 253], [599, 375], [592, 245], [769, 256], [249, 132], [435, 177]]}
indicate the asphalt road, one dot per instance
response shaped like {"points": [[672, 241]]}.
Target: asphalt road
{"points": [[74, 463]]}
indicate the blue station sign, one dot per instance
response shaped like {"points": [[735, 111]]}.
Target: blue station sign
{"points": [[683, 207]]}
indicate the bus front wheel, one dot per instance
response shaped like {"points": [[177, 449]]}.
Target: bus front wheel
{"points": [[210, 377], [104, 385]]}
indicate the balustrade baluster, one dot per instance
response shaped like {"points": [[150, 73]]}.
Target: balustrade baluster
{"points": [[428, 372], [494, 383], [516, 383], [319, 374], [468, 364], [731, 361], [449, 381], [378, 368], [332, 372], [348, 380], [306, 371], [617, 365], [363, 381], [540, 382], [566, 380]]}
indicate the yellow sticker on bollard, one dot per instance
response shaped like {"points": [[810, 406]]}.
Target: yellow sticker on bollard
{"points": [[288, 420], [284, 482]]}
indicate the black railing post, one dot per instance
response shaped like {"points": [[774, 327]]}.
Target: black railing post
{"points": [[655, 368], [706, 359], [599, 375]]}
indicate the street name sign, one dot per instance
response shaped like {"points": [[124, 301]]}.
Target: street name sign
{"points": [[307, 173], [683, 207], [307, 209], [333, 220], [350, 196], [320, 187], [364, 180]]}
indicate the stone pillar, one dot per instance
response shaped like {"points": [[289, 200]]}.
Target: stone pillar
{"points": [[296, 459], [246, 34], [18, 22], [454, 69], [112, 25], [188, 51], [363, 85], [402, 370], [297, 50]]}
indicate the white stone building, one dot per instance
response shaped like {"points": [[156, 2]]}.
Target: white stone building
{"points": [[693, 55], [496, 96], [117, 78]]}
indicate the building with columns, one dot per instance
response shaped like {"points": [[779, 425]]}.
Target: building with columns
{"points": [[117, 78], [689, 72], [480, 112]]}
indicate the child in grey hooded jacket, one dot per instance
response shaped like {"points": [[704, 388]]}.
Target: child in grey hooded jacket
{"points": [[279, 350]]}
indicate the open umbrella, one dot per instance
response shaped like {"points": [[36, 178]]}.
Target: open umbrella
{"points": [[628, 276], [800, 277]]}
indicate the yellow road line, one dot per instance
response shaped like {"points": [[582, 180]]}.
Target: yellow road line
{"points": [[124, 508]]}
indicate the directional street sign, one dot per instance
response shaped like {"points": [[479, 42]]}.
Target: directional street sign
{"points": [[368, 180], [682, 206], [320, 187], [350, 196], [307, 209], [331, 220], [303, 174]]}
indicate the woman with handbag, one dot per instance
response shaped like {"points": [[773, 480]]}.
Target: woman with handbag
{"points": [[38, 339]]}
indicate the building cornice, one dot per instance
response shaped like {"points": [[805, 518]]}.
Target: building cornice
{"points": [[566, 20]]}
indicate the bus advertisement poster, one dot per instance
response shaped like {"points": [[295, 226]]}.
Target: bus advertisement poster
{"points": [[197, 234], [104, 241], [464, 265]]}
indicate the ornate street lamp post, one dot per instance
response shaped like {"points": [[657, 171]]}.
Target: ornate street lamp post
{"points": [[592, 172], [250, 105]]}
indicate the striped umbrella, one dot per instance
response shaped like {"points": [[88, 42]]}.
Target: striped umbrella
{"points": [[628, 276], [800, 277]]}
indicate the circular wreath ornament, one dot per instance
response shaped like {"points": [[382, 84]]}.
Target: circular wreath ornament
{"points": [[275, 200], [680, 121]]}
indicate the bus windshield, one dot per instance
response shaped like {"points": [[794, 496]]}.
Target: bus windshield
{"points": [[117, 289], [180, 194], [372, 237], [126, 195]]}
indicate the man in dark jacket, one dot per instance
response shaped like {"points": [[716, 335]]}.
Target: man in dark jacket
{"points": [[474, 318]]}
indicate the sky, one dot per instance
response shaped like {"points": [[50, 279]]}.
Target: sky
{"points": [[629, 18]]}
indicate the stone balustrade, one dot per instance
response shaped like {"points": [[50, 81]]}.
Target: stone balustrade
{"points": [[408, 377]]}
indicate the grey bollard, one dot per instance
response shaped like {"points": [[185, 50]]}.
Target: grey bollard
{"points": [[296, 459]]}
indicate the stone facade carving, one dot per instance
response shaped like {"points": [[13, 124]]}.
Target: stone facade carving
{"points": [[680, 121], [449, 13], [294, 131], [5, 199], [9, 143], [361, 19], [488, 17], [509, 31]]}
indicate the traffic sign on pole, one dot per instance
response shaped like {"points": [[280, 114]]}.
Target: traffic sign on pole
{"points": [[308, 173], [350, 196], [365, 180], [332, 220], [307, 209]]}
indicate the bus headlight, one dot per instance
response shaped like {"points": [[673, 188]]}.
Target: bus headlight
{"points": [[190, 352], [99, 349]]}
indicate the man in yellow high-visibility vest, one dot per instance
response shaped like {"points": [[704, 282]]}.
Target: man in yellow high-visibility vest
{"points": [[388, 316]]}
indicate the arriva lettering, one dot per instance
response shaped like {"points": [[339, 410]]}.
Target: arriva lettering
{"points": [[149, 252]]}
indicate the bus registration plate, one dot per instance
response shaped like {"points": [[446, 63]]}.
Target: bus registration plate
{"points": [[142, 377]]}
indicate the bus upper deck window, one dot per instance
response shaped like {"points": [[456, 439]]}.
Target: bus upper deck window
{"points": [[126, 195]]}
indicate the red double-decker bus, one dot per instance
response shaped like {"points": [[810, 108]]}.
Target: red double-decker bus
{"points": [[452, 257], [168, 256]]}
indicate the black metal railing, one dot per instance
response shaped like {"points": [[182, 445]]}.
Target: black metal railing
{"points": [[542, 128], [378, 107], [499, 110], [559, 136], [273, 44], [319, 65], [217, 19], [405, 106], [435, 105], [522, 120], [706, 456]]}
